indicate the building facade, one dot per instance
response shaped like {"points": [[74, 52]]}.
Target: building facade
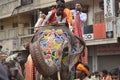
{"points": [[101, 31]]}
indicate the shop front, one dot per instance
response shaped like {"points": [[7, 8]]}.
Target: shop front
{"points": [[106, 56]]}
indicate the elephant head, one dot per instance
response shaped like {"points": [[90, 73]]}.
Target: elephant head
{"points": [[55, 49]]}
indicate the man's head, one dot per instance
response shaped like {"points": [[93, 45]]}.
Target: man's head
{"points": [[82, 70], [78, 7], [96, 73], [60, 9], [59, 1], [103, 73], [115, 74]]}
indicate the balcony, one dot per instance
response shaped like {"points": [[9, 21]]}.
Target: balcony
{"points": [[96, 34]]}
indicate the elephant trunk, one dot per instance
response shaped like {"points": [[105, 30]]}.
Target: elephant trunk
{"points": [[39, 61]]}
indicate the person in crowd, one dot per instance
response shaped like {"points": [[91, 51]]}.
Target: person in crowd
{"points": [[3, 73], [81, 72], [104, 75], [96, 75], [78, 20], [115, 74], [59, 1], [68, 13], [39, 21], [56, 16]]}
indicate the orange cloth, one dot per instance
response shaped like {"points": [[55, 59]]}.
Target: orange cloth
{"points": [[69, 15], [29, 69], [84, 57], [82, 68]]}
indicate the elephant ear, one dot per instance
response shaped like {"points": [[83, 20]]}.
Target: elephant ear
{"points": [[39, 61], [77, 49]]}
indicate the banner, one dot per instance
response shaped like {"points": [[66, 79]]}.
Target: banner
{"points": [[109, 17]]}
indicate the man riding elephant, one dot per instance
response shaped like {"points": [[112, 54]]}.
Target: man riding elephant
{"points": [[54, 49]]}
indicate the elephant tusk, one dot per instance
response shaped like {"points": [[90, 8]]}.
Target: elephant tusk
{"points": [[58, 73]]}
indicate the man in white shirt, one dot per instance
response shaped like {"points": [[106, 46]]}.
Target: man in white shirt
{"points": [[83, 16], [78, 8], [39, 21]]}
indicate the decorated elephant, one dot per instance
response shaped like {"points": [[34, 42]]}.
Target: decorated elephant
{"points": [[55, 49]]}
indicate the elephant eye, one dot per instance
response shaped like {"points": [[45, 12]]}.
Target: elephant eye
{"points": [[65, 53], [65, 49]]}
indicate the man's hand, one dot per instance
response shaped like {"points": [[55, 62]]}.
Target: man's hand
{"points": [[70, 27]]}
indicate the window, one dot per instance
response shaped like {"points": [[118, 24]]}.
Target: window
{"points": [[2, 35], [12, 33], [25, 2], [99, 17], [15, 25], [26, 25], [2, 27]]}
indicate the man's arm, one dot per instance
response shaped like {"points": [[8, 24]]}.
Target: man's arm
{"points": [[47, 18], [69, 15]]}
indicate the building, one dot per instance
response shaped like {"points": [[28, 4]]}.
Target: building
{"points": [[101, 31]]}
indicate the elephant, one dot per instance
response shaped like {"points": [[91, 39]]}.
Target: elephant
{"points": [[55, 49], [14, 64]]}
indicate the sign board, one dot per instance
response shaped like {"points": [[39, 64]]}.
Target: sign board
{"points": [[109, 17], [108, 49]]}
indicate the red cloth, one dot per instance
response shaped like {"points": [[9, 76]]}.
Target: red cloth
{"points": [[52, 18], [78, 32], [99, 31], [84, 57], [77, 26]]}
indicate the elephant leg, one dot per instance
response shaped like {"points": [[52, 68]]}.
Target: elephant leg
{"points": [[65, 75]]}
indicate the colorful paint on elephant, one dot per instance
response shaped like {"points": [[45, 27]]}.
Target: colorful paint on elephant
{"points": [[52, 43]]}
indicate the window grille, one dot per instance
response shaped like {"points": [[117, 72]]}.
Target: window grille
{"points": [[25, 2]]}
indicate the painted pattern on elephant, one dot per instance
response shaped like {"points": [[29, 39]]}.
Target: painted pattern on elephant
{"points": [[52, 42]]}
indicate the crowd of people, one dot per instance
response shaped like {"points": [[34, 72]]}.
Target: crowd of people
{"points": [[82, 73], [113, 74]]}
